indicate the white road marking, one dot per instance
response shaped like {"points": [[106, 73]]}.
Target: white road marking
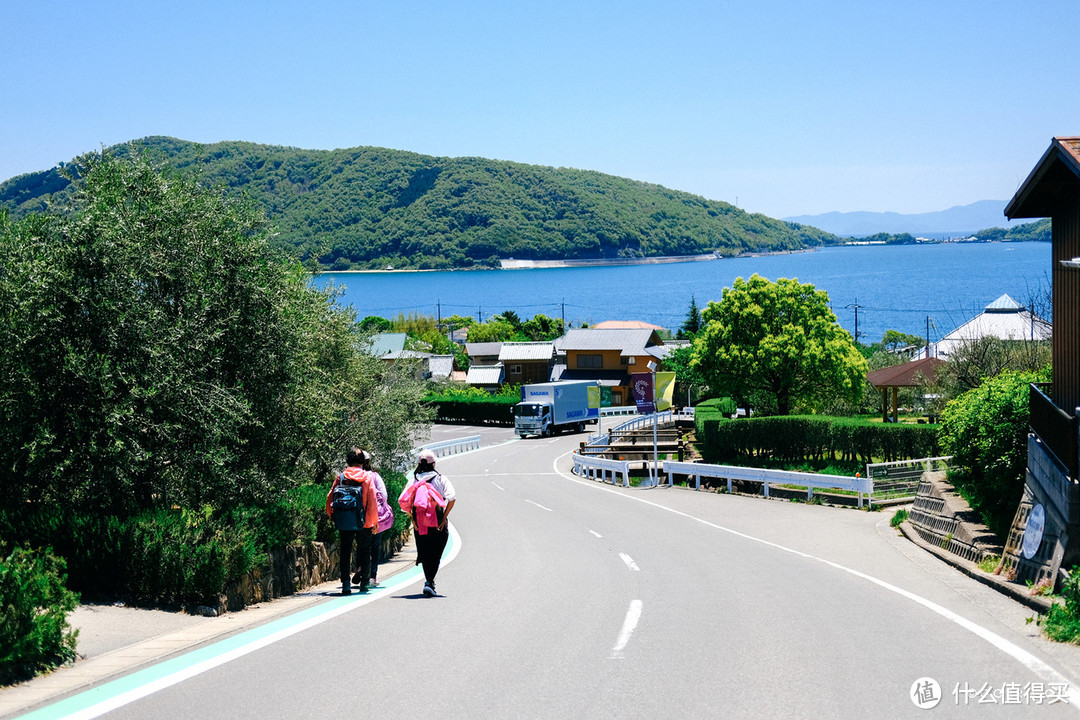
{"points": [[539, 505], [497, 485], [1030, 661], [596, 534], [629, 562], [633, 615]]}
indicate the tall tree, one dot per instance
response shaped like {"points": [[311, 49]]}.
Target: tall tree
{"points": [[155, 350], [692, 325], [779, 341]]}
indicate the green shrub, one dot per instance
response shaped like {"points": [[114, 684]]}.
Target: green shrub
{"points": [[34, 632], [985, 432], [1062, 623], [899, 517], [474, 410], [811, 438]]}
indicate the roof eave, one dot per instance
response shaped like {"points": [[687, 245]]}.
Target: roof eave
{"points": [[1025, 203]]}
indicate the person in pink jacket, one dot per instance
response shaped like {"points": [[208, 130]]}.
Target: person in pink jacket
{"points": [[428, 499], [360, 526]]}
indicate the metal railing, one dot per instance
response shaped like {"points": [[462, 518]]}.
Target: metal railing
{"points": [[590, 465], [1055, 427], [861, 486], [899, 480], [450, 447]]}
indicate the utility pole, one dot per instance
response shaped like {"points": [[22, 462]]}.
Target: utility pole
{"points": [[927, 336], [480, 315], [856, 305]]}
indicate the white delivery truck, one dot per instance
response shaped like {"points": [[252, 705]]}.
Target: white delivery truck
{"points": [[548, 408]]}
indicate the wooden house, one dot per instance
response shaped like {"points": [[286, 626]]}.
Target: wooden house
{"points": [[1045, 536]]}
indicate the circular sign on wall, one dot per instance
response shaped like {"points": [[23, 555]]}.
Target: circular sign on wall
{"points": [[1033, 531]]}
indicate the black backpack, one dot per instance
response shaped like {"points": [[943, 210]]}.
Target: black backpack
{"points": [[348, 504]]}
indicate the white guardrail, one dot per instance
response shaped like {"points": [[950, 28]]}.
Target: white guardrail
{"points": [[450, 447], [860, 485], [590, 466]]}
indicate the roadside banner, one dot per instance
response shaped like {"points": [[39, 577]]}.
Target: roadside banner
{"points": [[665, 390], [641, 384], [594, 396], [605, 396]]}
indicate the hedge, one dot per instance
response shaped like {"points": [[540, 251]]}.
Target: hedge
{"points": [[489, 410], [812, 439]]}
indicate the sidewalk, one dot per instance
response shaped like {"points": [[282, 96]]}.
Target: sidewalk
{"points": [[114, 639]]}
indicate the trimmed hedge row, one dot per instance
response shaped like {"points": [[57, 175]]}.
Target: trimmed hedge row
{"points": [[812, 439], [489, 410]]}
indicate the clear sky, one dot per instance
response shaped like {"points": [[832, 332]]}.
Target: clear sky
{"points": [[784, 108]]}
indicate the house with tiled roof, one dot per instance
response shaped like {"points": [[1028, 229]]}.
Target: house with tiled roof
{"points": [[608, 356], [527, 362]]}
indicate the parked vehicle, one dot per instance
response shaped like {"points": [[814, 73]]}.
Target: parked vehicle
{"points": [[548, 408]]}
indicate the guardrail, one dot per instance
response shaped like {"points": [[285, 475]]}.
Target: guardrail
{"points": [[588, 466], [810, 481], [450, 447]]}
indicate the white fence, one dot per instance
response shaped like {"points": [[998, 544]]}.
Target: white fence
{"points": [[450, 447], [591, 466], [861, 486]]}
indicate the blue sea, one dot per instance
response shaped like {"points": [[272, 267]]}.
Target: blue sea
{"points": [[906, 288]]}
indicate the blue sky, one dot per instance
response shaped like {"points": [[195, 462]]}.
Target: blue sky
{"points": [[784, 108]]}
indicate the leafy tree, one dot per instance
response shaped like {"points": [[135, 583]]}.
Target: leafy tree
{"points": [[374, 324], [541, 327], [894, 340], [985, 431], [687, 376], [494, 330], [154, 350], [779, 341], [512, 318]]}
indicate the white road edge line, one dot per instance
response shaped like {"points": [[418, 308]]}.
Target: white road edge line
{"points": [[533, 502], [1030, 661], [629, 562], [596, 534], [633, 615], [497, 485]]}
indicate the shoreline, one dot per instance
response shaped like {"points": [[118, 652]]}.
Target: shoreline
{"points": [[512, 264]]}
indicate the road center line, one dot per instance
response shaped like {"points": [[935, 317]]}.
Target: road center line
{"points": [[1027, 659], [596, 534], [633, 615], [629, 562], [539, 505]]}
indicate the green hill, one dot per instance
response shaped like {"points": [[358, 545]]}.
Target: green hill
{"points": [[371, 207]]}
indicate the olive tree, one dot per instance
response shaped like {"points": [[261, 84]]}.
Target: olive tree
{"points": [[155, 350]]}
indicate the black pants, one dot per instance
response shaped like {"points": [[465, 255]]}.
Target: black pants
{"points": [[429, 550], [376, 554], [363, 538]]}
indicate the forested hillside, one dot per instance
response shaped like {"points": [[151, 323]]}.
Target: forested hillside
{"points": [[372, 207]]}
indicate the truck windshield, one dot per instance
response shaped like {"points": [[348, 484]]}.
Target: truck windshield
{"points": [[523, 410]]}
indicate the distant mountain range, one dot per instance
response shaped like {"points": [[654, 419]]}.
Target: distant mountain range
{"points": [[959, 221]]}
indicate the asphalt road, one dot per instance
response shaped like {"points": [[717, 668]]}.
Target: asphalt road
{"points": [[566, 598]]}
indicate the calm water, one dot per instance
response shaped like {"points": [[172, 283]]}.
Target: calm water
{"points": [[897, 287]]}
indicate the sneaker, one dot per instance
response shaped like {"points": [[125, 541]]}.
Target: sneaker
{"points": [[346, 590], [429, 589], [373, 583], [356, 578]]}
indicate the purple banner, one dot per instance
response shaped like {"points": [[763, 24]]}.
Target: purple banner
{"points": [[644, 393]]}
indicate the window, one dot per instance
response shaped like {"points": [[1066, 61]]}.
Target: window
{"points": [[616, 397], [628, 360], [590, 361], [515, 369]]}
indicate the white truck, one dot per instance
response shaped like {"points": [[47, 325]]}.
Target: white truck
{"points": [[548, 408]]}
